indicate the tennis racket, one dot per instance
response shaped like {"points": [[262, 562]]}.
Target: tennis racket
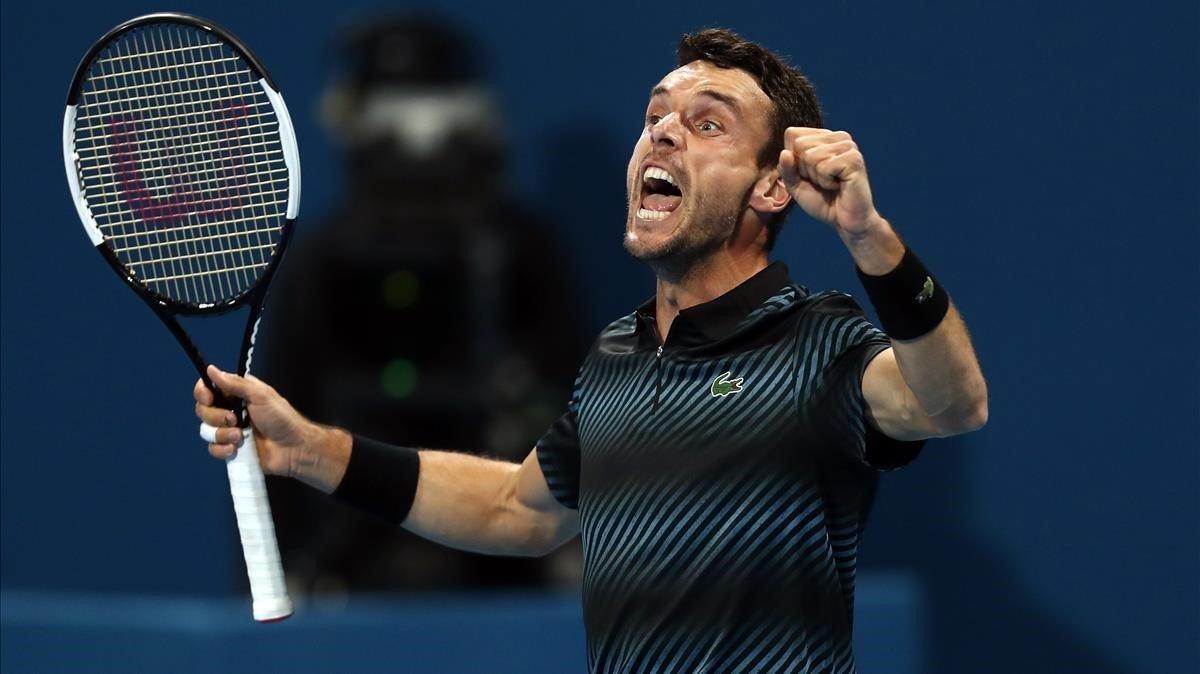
{"points": [[183, 167]]}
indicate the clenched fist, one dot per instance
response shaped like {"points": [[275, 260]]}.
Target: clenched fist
{"points": [[826, 175]]}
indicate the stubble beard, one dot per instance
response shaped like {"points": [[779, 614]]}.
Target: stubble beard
{"points": [[701, 232]]}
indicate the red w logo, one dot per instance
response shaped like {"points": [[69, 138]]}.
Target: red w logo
{"points": [[205, 175]]}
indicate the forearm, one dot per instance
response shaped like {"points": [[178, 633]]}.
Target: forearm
{"points": [[941, 370], [939, 367], [461, 501]]}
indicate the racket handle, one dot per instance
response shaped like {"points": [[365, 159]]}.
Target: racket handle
{"points": [[267, 587]]}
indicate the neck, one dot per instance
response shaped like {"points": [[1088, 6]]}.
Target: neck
{"points": [[702, 282]]}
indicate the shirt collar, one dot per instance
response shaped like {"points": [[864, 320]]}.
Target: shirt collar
{"points": [[718, 318]]}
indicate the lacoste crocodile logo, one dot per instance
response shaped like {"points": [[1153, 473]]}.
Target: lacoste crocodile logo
{"points": [[926, 291], [724, 386]]}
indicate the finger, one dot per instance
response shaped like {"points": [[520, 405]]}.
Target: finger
{"points": [[802, 145], [215, 416], [232, 384], [840, 168], [791, 133], [797, 150], [819, 153], [814, 157], [807, 138], [831, 172], [201, 393], [220, 451], [230, 436], [222, 436]]}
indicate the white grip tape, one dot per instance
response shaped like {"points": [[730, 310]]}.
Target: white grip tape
{"points": [[267, 587]]}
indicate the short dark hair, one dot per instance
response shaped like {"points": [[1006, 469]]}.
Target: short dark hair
{"points": [[795, 101]]}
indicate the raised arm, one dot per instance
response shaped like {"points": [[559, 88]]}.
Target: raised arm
{"points": [[929, 383], [927, 387], [463, 501]]}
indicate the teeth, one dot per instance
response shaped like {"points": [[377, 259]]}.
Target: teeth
{"points": [[647, 214], [655, 172]]}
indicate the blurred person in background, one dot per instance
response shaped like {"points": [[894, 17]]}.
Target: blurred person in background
{"points": [[426, 307]]}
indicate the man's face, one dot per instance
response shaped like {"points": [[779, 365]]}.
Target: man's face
{"points": [[695, 163]]}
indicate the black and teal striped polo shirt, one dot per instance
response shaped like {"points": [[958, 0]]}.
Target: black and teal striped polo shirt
{"points": [[723, 480]]}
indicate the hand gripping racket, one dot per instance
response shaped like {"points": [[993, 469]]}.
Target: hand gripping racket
{"points": [[182, 164]]}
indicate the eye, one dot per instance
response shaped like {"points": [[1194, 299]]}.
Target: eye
{"points": [[708, 126], [651, 120]]}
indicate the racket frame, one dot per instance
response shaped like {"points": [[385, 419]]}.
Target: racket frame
{"points": [[189, 20], [169, 310]]}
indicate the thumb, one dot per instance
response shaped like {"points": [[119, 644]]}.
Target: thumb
{"points": [[787, 169]]}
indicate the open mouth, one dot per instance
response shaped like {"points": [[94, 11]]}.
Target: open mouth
{"points": [[660, 194]]}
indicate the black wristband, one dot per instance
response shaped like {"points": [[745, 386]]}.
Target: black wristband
{"points": [[380, 479], [910, 302]]}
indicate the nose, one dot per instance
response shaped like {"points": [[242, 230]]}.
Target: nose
{"points": [[667, 133]]}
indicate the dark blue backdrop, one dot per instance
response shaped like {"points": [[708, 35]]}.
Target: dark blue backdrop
{"points": [[1042, 157]]}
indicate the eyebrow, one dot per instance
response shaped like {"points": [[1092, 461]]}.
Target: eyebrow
{"points": [[710, 93]]}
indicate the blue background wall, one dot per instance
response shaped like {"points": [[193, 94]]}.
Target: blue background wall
{"points": [[1042, 157]]}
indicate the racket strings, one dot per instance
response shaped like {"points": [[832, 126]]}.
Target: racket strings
{"points": [[172, 50], [236, 263], [181, 163], [159, 268], [142, 71], [194, 175]]}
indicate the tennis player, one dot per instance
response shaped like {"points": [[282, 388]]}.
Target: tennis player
{"points": [[723, 442]]}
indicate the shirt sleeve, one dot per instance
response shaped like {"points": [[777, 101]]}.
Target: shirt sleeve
{"points": [[558, 454], [851, 342]]}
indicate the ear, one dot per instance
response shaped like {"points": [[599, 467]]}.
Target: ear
{"points": [[769, 194]]}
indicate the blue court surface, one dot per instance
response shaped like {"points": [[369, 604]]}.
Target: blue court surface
{"points": [[454, 633]]}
